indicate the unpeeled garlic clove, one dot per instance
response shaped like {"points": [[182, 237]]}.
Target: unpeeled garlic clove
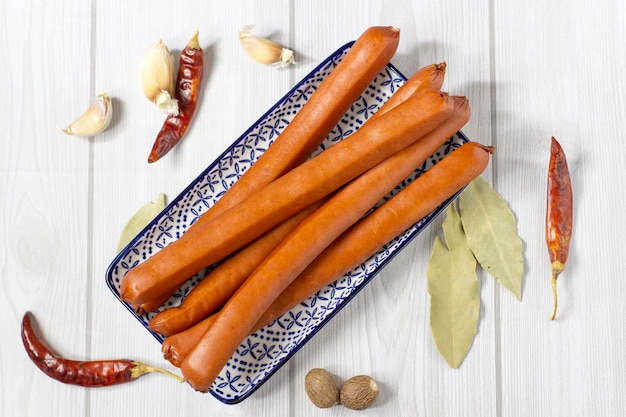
{"points": [[95, 120], [157, 78], [265, 51]]}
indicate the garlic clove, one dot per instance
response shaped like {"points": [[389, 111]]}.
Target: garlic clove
{"points": [[157, 78], [166, 104], [95, 120], [265, 51]]}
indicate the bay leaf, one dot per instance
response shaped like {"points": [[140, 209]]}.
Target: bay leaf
{"points": [[140, 220], [454, 293], [491, 231]]}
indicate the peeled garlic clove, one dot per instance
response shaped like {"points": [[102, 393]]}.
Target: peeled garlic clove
{"points": [[95, 120], [157, 78], [265, 51]]}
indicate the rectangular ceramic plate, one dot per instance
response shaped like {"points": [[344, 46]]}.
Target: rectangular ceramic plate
{"points": [[264, 352]]}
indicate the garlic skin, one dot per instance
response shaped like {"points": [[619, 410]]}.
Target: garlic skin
{"points": [[156, 73], [95, 120], [265, 51]]}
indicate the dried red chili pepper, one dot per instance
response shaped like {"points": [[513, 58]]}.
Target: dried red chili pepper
{"points": [[558, 214], [83, 373], [189, 79]]}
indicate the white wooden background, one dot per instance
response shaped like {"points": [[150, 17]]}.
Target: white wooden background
{"points": [[531, 69]]}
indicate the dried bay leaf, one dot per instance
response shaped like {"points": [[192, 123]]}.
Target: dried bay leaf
{"points": [[454, 293], [491, 231], [140, 220]]}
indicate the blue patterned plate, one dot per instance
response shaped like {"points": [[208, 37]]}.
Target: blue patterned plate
{"points": [[264, 352]]}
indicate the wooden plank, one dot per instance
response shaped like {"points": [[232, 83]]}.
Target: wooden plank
{"points": [[44, 181], [562, 80]]}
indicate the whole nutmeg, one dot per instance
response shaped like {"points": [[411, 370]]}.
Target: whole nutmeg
{"points": [[358, 392], [321, 387]]}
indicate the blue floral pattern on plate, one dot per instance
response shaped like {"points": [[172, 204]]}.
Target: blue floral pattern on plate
{"points": [[264, 352]]}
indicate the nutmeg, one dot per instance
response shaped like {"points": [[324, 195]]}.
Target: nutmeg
{"points": [[358, 392], [321, 387]]}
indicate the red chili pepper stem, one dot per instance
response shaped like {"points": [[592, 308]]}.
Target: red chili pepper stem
{"points": [[142, 369], [557, 268], [194, 43]]}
